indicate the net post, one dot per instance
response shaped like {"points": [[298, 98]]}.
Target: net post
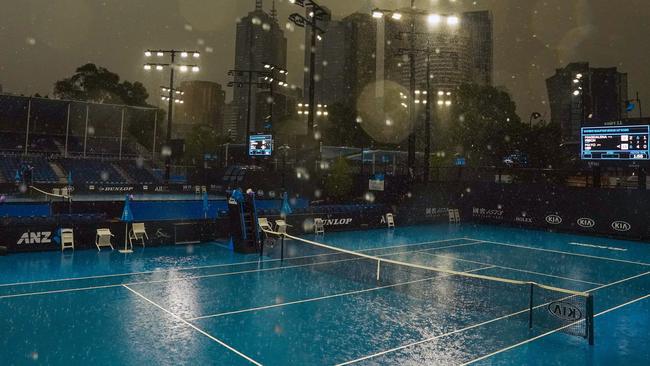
{"points": [[378, 269], [282, 248], [590, 319], [261, 248], [531, 305]]}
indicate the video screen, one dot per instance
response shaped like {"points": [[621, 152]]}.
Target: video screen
{"points": [[260, 145], [615, 143]]}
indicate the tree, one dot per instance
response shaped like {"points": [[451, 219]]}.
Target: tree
{"points": [[203, 139], [342, 129], [97, 84], [485, 125], [338, 184], [542, 145]]}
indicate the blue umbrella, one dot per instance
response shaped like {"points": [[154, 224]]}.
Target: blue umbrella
{"points": [[127, 217], [286, 207], [206, 205], [17, 177]]}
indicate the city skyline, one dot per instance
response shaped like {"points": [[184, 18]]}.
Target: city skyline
{"points": [[542, 38]]}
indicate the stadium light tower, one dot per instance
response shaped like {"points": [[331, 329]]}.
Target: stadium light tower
{"points": [[276, 75], [314, 13], [434, 20], [171, 98]]}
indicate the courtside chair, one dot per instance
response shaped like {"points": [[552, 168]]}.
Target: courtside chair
{"points": [[103, 239], [264, 224], [67, 239], [138, 232], [390, 220], [319, 226], [454, 216], [282, 226]]}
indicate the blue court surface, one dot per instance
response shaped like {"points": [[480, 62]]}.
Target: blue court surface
{"points": [[205, 305]]}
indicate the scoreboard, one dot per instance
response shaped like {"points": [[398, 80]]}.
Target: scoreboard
{"points": [[615, 143], [260, 145]]}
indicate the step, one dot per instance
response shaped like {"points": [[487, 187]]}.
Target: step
{"points": [[123, 174], [60, 173]]}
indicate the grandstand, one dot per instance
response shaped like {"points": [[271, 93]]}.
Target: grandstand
{"points": [[88, 141]]}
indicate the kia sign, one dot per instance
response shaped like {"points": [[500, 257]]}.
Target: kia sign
{"points": [[586, 222], [621, 226], [565, 311], [554, 219]]}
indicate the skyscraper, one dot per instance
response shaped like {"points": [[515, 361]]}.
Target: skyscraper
{"points": [[203, 104], [580, 95], [345, 59], [479, 25], [259, 40]]}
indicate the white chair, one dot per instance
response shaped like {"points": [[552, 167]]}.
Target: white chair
{"points": [[454, 216], [67, 239], [264, 224], [390, 220], [204, 189], [197, 189], [319, 226], [138, 232], [103, 239], [282, 226]]}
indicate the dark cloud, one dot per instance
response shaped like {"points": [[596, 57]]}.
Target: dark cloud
{"points": [[44, 40]]}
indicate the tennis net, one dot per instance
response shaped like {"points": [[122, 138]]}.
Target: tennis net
{"points": [[540, 307]]}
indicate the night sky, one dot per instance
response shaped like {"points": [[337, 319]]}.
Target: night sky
{"points": [[42, 41]]}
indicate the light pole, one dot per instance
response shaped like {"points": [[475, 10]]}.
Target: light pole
{"points": [[250, 81], [172, 65], [276, 74], [314, 13], [434, 20]]}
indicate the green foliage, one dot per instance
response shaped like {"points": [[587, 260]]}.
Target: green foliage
{"points": [[485, 125], [97, 84], [203, 139], [339, 183], [342, 129]]}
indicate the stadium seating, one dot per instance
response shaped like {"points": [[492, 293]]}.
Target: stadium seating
{"points": [[138, 174], [42, 172], [91, 171]]}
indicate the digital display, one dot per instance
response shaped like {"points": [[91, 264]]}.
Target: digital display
{"points": [[615, 143], [260, 145]]}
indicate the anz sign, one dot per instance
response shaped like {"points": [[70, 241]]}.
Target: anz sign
{"points": [[35, 237]]}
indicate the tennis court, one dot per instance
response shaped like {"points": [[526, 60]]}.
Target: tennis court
{"points": [[206, 305]]}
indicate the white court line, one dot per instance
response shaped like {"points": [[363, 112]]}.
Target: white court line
{"points": [[512, 269], [552, 331], [598, 246], [566, 253], [179, 279], [194, 327], [176, 269], [328, 296], [480, 324]]}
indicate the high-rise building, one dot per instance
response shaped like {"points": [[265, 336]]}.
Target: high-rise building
{"points": [[230, 119], [359, 50], [345, 58], [259, 40], [462, 54], [580, 95], [203, 104], [479, 25]]}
